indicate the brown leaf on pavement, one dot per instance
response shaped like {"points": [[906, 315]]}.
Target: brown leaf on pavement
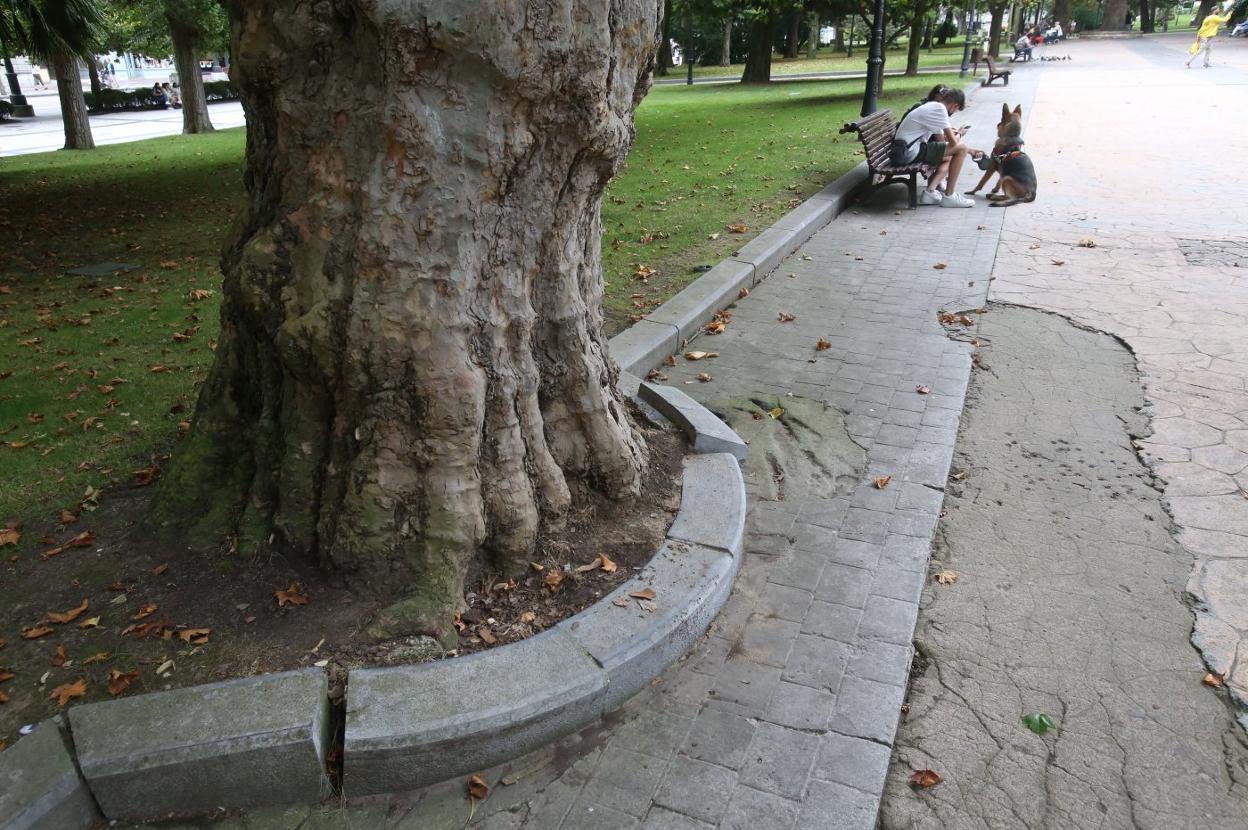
{"points": [[146, 611], [90, 622], [67, 692], [195, 636], [743, 293], [822, 345], [644, 593], [98, 657], [923, 389], [477, 788], [119, 681], [1087, 243], [786, 317], [946, 577], [606, 564], [704, 377], [925, 778], [3, 699], [35, 632], [966, 321], [6, 675], [68, 616], [1213, 680], [940, 266], [59, 658]]}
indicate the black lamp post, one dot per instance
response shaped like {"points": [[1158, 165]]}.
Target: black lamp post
{"points": [[966, 45], [875, 61]]}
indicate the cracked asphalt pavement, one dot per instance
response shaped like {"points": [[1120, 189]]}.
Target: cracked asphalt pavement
{"points": [[1069, 601]]}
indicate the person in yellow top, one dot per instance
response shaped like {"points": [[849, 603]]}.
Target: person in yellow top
{"points": [[1204, 37]]}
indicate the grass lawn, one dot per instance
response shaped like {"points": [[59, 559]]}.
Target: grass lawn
{"points": [[96, 375], [830, 60]]}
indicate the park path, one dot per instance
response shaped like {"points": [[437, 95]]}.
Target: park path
{"points": [[1073, 591]]}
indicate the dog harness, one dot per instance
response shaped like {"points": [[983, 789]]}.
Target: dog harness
{"points": [[1013, 151]]}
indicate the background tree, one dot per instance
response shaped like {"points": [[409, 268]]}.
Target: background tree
{"points": [[412, 371], [997, 12], [1115, 16], [187, 29], [665, 42], [1062, 13], [58, 32]]}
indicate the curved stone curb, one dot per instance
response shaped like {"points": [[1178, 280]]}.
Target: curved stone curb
{"points": [[410, 726], [705, 432], [643, 345], [40, 788]]}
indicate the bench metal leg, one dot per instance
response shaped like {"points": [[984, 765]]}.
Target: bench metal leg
{"points": [[913, 185]]}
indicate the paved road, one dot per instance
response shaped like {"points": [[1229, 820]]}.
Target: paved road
{"points": [[1071, 592], [45, 132]]}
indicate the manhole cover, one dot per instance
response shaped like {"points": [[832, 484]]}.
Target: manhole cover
{"points": [[1214, 252]]}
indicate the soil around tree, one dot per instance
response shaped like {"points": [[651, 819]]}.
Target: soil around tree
{"points": [[159, 617]]}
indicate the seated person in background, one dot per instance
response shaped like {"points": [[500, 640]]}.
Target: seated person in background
{"points": [[1022, 47], [175, 100], [158, 96], [928, 121]]}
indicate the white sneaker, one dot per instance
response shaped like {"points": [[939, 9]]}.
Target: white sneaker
{"points": [[928, 197], [956, 200]]}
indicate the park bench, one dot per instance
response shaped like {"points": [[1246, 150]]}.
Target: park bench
{"points": [[875, 131], [994, 72], [1021, 54]]}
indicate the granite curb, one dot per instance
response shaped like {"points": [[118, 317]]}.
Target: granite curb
{"points": [[264, 740], [643, 345]]}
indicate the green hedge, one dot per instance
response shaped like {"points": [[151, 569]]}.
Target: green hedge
{"points": [[115, 100], [6, 110]]}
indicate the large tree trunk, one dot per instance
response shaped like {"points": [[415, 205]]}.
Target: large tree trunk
{"points": [[840, 34], [792, 40], [93, 74], [1206, 6], [994, 30], [73, 105], [725, 55], [1146, 17], [1115, 16], [186, 58], [1061, 13], [411, 368], [916, 41], [758, 61], [665, 45], [812, 39], [942, 31]]}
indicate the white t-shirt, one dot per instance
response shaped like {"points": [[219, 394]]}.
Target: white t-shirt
{"points": [[923, 122]]}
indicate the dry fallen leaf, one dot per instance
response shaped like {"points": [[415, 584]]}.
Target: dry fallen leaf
{"points": [[528, 617], [738, 228], [1087, 243], [946, 577], [146, 611], [98, 657], [644, 593], [713, 236], [144, 477], [35, 632], [59, 658], [822, 345], [940, 266], [716, 327], [882, 482], [486, 635], [622, 602], [553, 579], [195, 636], [700, 355], [776, 413], [89, 622], [1213, 680], [966, 321], [743, 293], [704, 377], [922, 390], [67, 692], [6, 675], [290, 596], [160, 569], [606, 564], [119, 681], [925, 778], [10, 534], [68, 518], [67, 616], [1059, 262], [786, 317], [477, 788]]}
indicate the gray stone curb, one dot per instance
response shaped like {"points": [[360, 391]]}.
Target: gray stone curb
{"points": [[40, 788], [643, 345], [241, 743], [705, 432], [410, 726]]}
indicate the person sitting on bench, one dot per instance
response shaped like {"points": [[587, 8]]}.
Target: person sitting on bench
{"points": [[930, 120], [1022, 48]]}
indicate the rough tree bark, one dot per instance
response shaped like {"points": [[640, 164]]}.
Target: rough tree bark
{"points": [[942, 31], [185, 36], [1115, 16], [758, 61], [1206, 6], [411, 370], [93, 74], [812, 39], [73, 105], [1146, 17], [916, 40], [665, 44], [725, 55]]}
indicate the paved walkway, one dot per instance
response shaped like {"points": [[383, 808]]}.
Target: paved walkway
{"points": [[1071, 599]]}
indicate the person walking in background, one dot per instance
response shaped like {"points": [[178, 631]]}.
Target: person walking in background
{"points": [[1204, 37]]}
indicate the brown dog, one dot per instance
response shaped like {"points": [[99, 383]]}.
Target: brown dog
{"points": [[1017, 173]]}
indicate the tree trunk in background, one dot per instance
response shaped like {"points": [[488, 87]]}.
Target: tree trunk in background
{"points": [[758, 61], [1115, 16], [916, 41], [792, 41], [94, 74], [840, 34], [1206, 6], [812, 40], [186, 57], [411, 368], [74, 116], [1146, 17], [1061, 11], [941, 31], [725, 56], [665, 44], [927, 33], [994, 30]]}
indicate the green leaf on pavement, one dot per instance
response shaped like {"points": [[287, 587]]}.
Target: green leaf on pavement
{"points": [[1039, 722]]}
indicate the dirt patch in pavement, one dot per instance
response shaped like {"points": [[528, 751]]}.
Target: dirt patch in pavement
{"points": [[142, 616], [1068, 601]]}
